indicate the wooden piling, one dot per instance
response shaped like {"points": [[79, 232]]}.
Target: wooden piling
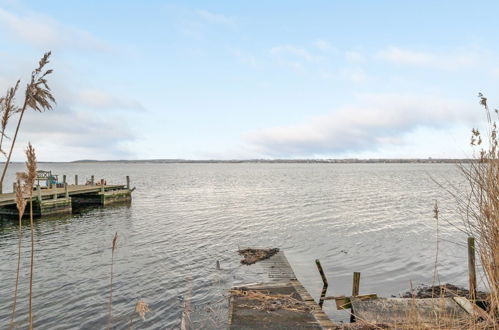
{"points": [[66, 192], [39, 193], [324, 281], [14, 187], [76, 179], [356, 284], [92, 180], [355, 292], [471, 267], [102, 185], [127, 182], [64, 178], [55, 191]]}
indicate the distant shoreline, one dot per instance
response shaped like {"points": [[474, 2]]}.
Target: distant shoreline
{"points": [[285, 161], [268, 161]]}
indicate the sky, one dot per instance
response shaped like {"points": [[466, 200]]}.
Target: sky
{"points": [[253, 79]]}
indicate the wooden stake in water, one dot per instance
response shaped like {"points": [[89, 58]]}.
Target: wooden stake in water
{"points": [[324, 281], [355, 291], [76, 179], [127, 182], [471, 267]]}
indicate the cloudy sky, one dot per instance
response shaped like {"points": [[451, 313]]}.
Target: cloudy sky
{"points": [[254, 79]]}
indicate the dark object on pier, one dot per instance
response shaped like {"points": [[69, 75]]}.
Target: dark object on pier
{"points": [[252, 256]]}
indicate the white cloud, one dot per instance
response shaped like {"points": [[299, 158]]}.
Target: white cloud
{"points": [[100, 99], [214, 18], [44, 32], [292, 50], [323, 44], [371, 122], [355, 74], [247, 59], [425, 59], [354, 57]]}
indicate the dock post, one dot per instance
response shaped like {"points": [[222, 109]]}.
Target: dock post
{"points": [[64, 178], [39, 193], [92, 180], [127, 182], [55, 191], [471, 267], [102, 185], [14, 187], [76, 179], [66, 192]]}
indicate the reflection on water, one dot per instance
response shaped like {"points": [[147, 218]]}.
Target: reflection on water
{"points": [[371, 218]]}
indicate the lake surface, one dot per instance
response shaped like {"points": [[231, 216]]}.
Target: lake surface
{"points": [[373, 218]]}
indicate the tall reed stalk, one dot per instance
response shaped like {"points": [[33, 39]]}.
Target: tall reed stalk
{"points": [[21, 206], [30, 181], [110, 305]]}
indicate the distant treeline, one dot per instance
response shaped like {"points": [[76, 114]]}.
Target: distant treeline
{"points": [[285, 161]]}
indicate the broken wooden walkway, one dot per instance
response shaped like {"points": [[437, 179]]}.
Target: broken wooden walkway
{"points": [[280, 302]]}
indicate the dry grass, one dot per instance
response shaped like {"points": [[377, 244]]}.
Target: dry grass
{"points": [[271, 302], [480, 207]]}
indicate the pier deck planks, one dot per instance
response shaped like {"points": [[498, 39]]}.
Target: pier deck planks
{"points": [[10, 198]]}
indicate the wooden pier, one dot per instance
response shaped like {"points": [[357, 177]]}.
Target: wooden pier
{"points": [[62, 198], [280, 302]]}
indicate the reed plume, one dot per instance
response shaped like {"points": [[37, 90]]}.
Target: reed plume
{"points": [[38, 97], [7, 109], [110, 306]]}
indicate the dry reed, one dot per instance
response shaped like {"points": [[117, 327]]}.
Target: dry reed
{"points": [[38, 97], [110, 305], [480, 206], [31, 166], [21, 206]]}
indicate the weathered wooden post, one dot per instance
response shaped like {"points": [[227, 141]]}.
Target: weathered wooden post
{"points": [[127, 182], [14, 187], [92, 180], [471, 267], [39, 193], [66, 192], [356, 284], [324, 281], [102, 185], [54, 191], [355, 292], [64, 178], [76, 179]]}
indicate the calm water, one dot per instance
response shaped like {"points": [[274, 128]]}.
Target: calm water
{"points": [[372, 218]]}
